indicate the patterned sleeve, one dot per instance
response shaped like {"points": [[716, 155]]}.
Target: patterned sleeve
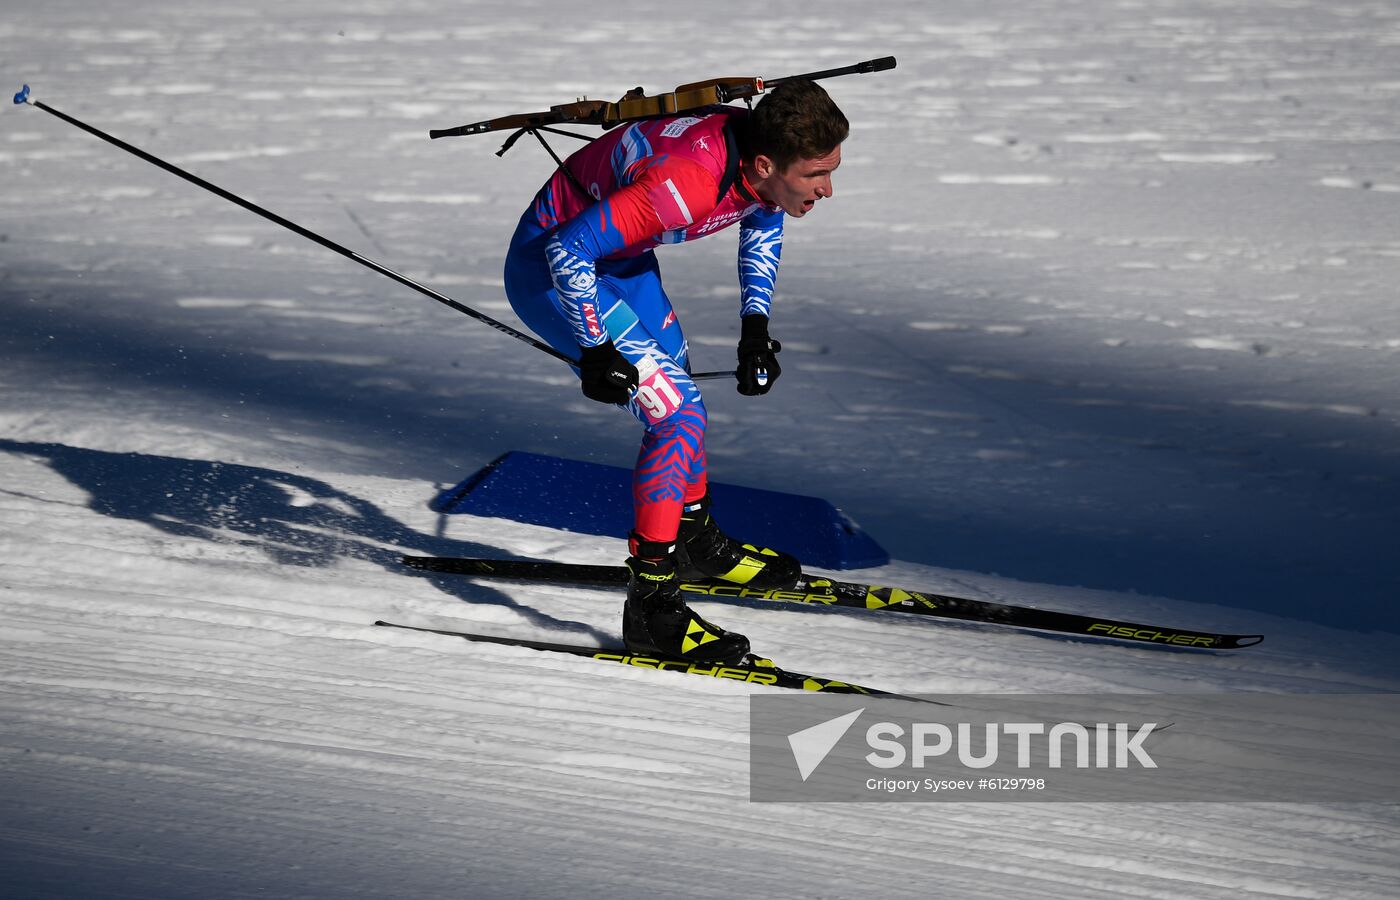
{"points": [[661, 198], [760, 247]]}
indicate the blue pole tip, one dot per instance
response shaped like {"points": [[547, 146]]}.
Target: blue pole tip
{"points": [[22, 96]]}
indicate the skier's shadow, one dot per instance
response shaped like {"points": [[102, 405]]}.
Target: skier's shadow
{"points": [[295, 520]]}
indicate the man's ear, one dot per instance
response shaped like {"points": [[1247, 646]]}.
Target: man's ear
{"points": [[764, 166]]}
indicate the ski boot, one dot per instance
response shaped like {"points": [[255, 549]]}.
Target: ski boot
{"points": [[656, 621], [704, 553]]}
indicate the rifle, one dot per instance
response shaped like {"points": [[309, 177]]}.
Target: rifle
{"points": [[635, 104]]}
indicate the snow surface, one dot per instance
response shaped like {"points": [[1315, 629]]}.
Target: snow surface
{"points": [[1101, 318]]}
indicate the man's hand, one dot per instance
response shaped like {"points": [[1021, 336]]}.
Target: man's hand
{"points": [[607, 375], [758, 357]]}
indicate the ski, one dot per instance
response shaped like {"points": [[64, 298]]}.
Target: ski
{"points": [[753, 670], [828, 592]]}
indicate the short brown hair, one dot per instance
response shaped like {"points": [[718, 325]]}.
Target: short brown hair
{"points": [[796, 120]]}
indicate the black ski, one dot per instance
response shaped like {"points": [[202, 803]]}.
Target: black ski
{"points": [[828, 592], [753, 670]]}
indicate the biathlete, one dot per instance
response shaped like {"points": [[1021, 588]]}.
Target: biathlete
{"points": [[581, 273]]}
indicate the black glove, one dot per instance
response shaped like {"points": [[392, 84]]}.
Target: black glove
{"points": [[607, 375], [758, 357]]}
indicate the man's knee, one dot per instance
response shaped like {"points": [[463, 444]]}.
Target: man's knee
{"points": [[666, 395]]}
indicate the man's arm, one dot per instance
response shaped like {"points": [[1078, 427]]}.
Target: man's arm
{"points": [[760, 248]]}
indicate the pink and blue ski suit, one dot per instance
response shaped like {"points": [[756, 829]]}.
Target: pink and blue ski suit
{"points": [[581, 271]]}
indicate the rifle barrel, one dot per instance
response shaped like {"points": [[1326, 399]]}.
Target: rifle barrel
{"points": [[870, 65]]}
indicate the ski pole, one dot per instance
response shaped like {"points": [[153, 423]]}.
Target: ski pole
{"points": [[23, 97]]}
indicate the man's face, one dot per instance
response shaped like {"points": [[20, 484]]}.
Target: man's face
{"points": [[796, 189]]}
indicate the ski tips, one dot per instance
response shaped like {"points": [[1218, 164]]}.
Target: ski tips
{"points": [[22, 96]]}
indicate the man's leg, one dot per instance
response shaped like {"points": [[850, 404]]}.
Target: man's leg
{"points": [[670, 486], [670, 464], [670, 470], [670, 467]]}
